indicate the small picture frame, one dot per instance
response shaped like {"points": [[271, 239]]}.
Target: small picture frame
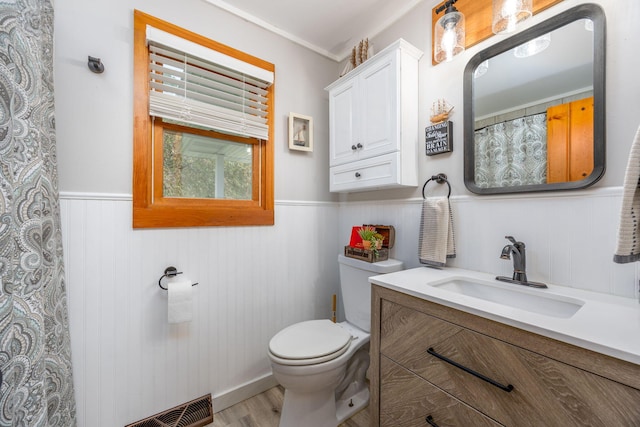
{"points": [[300, 132]]}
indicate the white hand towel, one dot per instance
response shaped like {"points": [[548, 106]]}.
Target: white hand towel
{"points": [[436, 241], [180, 302], [628, 246]]}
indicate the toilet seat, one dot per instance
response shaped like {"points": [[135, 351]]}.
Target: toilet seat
{"points": [[309, 342]]}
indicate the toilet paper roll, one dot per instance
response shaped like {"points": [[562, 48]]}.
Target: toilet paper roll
{"points": [[180, 301]]}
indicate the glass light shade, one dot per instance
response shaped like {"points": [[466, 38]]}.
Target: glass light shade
{"points": [[588, 24], [449, 36], [533, 47], [508, 13], [481, 69]]}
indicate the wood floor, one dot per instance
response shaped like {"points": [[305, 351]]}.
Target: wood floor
{"points": [[263, 410]]}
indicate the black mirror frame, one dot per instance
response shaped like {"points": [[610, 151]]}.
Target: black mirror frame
{"points": [[584, 11]]}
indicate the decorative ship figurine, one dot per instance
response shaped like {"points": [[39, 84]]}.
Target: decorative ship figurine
{"points": [[359, 54], [440, 111]]}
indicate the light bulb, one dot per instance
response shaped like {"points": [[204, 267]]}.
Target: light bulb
{"points": [[588, 24], [449, 36], [481, 69], [448, 39], [508, 13], [533, 47], [508, 8]]}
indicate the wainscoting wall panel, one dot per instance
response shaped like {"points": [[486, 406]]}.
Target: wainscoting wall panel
{"points": [[128, 362], [570, 237]]}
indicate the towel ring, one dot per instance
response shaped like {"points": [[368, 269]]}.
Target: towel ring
{"points": [[169, 272], [440, 178]]}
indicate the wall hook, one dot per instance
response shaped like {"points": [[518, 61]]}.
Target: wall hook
{"points": [[95, 65]]}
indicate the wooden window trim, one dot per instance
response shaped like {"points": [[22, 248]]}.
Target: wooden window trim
{"points": [[150, 211]]}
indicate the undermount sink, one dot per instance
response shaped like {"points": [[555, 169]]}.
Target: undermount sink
{"points": [[532, 300]]}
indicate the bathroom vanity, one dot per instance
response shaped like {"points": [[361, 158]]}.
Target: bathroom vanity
{"points": [[457, 348]]}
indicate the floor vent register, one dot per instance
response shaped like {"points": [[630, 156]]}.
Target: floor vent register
{"points": [[197, 413]]}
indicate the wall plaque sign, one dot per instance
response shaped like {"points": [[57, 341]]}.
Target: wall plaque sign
{"points": [[438, 138]]}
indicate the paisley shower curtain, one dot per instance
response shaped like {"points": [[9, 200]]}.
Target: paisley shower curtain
{"points": [[512, 153], [35, 354]]}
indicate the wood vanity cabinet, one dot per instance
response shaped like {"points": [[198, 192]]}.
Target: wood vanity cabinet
{"points": [[373, 122], [504, 375]]}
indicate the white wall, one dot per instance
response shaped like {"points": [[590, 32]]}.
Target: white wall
{"points": [[128, 363], [570, 236], [445, 81], [94, 112]]}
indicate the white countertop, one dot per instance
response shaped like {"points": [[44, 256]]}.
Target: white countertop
{"points": [[605, 323]]}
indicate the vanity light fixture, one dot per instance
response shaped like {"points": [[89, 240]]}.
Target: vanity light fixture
{"points": [[533, 47], [449, 33], [508, 13]]}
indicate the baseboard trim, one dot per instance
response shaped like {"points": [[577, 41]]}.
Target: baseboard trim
{"points": [[231, 397]]}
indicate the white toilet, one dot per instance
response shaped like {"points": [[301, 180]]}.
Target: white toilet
{"points": [[322, 365]]}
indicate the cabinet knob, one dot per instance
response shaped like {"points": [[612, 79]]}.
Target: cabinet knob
{"points": [[359, 145], [353, 147], [358, 175]]}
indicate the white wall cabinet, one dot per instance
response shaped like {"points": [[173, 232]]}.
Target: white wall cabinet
{"points": [[373, 122]]}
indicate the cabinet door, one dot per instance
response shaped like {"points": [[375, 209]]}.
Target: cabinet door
{"points": [[379, 108], [570, 141], [343, 123]]}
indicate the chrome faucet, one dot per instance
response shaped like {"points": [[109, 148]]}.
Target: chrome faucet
{"points": [[517, 251]]}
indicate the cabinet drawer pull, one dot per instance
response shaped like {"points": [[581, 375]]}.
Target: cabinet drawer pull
{"points": [[430, 421], [354, 148], [358, 175], [506, 388], [359, 145]]}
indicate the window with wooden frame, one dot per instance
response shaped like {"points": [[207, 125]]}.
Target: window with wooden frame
{"points": [[203, 131]]}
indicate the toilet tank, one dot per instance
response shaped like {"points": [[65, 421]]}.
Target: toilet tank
{"points": [[356, 289]]}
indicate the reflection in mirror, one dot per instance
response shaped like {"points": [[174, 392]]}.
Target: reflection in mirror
{"points": [[534, 107]]}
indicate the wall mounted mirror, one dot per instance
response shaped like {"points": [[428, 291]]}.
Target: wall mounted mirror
{"points": [[534, 107]]}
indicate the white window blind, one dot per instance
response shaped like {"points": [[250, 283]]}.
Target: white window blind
{"points": [[193, 84]]}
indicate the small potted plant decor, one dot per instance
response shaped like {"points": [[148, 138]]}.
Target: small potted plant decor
{"points": [[371, 240]]}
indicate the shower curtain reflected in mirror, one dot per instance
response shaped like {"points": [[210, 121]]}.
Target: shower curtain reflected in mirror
{"points": [[35, 353], [512, 153]]}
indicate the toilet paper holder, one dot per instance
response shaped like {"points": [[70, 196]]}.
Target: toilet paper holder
{"points": [[169, 272]]}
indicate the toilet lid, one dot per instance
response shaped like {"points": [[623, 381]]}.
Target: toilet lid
{"points": [[309, 340]]}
